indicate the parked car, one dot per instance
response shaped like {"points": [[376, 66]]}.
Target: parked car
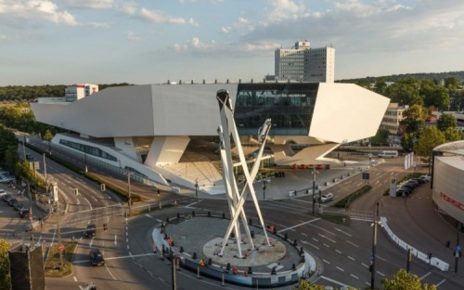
{"points": [[2, 193], [424, 178], [96, 257], [90, 231], [12, 202], [5, 178], [6, 197], [23, 212], [326, 197], [18, 206]]}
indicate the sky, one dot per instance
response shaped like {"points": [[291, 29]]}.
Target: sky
{"points": [[152, 41]]}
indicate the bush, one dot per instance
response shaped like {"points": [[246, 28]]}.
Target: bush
{"points": [[347, 201]]}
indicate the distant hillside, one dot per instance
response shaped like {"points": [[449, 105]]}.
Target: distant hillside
{"points": [[420, 76]]}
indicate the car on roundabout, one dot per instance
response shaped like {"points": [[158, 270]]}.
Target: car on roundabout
{"points": [[326, 197], [96, 257]]}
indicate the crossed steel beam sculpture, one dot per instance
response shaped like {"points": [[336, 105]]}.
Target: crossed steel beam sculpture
{"points": [[235, 197]]}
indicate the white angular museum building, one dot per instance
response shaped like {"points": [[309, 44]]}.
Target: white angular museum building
{"points": [[168, 133]]}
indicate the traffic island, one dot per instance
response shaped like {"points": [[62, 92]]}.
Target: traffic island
{"points": [[195, 241]]}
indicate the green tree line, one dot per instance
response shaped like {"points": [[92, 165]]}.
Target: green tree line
{"points": [[29, 93]]}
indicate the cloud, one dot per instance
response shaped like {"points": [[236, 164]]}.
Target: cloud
{"points": [[360, 26], [154, 16], [242, 24], [197, 46], [159, 17], [30, 9], [131, 36], [193, 1], [94, 4], [285, 9]]}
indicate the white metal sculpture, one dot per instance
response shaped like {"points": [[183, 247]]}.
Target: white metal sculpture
{"points": [[235, 197]]}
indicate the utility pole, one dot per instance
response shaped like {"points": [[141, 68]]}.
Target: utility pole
{"points": [[45, 167], [457, 249], [374, 244], [129, 190], [196, 188], [314, 191], [408, 260], [173, 272]]}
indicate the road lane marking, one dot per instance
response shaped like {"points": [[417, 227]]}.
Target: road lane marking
{"points": [[383, 259], [298, 225], [354, 276], [336, 282], [351, 258], [338, 251], [381, 274], [340, 269], [193, 203], [304, 235], [314, 239], [325, 245], [351, 243], [441, 282], [109, 272], [342, 231], [327, 238], [75, 279], [115, 240], [90, 243], [148, 216], [364, 265], [425, 275], [325, 261]]}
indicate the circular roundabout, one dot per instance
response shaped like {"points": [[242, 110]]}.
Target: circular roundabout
{"points": [[195, 241]]}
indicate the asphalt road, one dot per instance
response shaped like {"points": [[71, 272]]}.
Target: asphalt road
{"points": [[344, 251]]}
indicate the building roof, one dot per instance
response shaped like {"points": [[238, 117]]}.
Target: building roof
{"points": [[342, 112]]}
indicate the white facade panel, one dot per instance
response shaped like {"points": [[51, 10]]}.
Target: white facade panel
{"points": [[187, 110], [346, 112], [448, 188]]}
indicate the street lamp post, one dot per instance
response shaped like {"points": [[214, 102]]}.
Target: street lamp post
{"points": [[129, 190], [457, 250], [314, 191], [374, 244], [196, 189], [264, 189]]}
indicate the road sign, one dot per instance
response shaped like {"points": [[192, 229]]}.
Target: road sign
{"points": [[61, 247]]}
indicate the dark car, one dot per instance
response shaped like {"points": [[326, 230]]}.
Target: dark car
{"points": [[18, 206], [7, 196], [96, 257], [90, 231], [23, 212], [12, 202]]}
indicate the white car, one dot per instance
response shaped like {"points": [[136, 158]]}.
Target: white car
{"points": [[326, 197]]}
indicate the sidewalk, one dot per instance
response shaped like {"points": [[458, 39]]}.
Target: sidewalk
{"points": [[416, 221]]}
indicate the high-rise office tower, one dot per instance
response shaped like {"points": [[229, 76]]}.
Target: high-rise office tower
{"points": [[303, 63]]}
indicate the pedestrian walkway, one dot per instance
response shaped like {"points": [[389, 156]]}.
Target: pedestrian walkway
{"points": [[417, 221]]}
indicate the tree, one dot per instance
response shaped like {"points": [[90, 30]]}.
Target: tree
{"points": [[434, 95], [451, 83], [405, 92], [403, 280], [380, 86], [305, 285], [407, 141], [48, 135], [381, 138], [452, 134], [4, 266], [414, 118], [429, 138], [446, 121]]}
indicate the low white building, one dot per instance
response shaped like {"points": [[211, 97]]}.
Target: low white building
{"points": [[78, 91], [166, 132], [447, 176], [392, 119]]}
